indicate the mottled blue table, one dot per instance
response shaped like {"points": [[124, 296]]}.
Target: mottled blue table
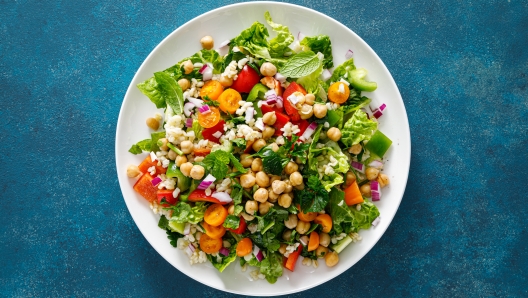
{"points": [[461, 67]]}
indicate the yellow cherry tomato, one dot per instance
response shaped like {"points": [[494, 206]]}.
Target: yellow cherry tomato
{"points": [[229, 101], [211, 89], [338, 92], [210, 119]]}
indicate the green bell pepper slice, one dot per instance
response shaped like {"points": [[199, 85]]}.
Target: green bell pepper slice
{"points": [[174, 172], [378, 144], [257, 92], [357, 79]]}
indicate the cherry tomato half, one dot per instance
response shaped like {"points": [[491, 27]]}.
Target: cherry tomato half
{"points": [[246, 79], [209, 119], [229, 101]]}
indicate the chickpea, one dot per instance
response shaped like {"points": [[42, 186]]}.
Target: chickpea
{"points": [[331, 259], [231, 209], [296, 178], [355, 149], [278, 186], [187, 147], [324, 239], [251, 207], [320, 110], [133, 171], [304, 240], [184, 84], [180, 159], [259, 144], [226, 81], [274, 147], [261, 195], [197, 172], [188, 67], [298, 161], [365, 190], [309, 99], [272, 196], [246, 160], [350, 178], [371, 173], [256, 165], [334, 134], [302, 227], [300, 186], [207, 42], [383, 180], [306, 111], [291, 167], [287, 235], [282, 248], [268, 132], [285, 200], [172, 155], [321, 251], [152, 123], [291, 222], [247, 180], [247, 217], [262, 179], [274, 178], [268, 70], [162, 143], [288, 188], [264, 207], [269, 118], [186, 169]]}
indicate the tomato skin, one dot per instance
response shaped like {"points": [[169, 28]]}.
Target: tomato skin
{"points": [[210, 119], [209, 132], [290, 109], [265, 109], [229, 101], [292, 259], [241, 227], [210, 245], [199, 195], [282, 119], [167, 194], [247, 78], [303, 125]]}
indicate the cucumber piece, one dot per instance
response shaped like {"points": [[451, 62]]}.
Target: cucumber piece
{"points": [[176, 226], [341, 244], [226, 146]]}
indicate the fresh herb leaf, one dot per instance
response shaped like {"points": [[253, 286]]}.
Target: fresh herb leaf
{"points": [[210, 102], [217, 162], [163, 223], [240, 142], [232, 222], [271, 267], [238, 210], [314, 197], [236, 192], [273, 162], [300, 65], [238, 166], [141, 146]]}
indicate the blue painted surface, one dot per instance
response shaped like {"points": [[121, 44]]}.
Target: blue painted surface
{"points": [[461, 67]]}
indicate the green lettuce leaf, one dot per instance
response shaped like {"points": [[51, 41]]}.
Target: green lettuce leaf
{"points": [[150, 89], [358, 128], [171, 91], [254, 40], [271, 267], [321, 44], [365, 216], [331, 150], [206, 56], [183, 212], [141, 146], [278, 45], [221, 262], [341, 70], [348, 219]]}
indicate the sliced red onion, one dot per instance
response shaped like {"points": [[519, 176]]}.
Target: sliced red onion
{"points": [[325, 75], [208, 74], [249, 114], [358, 166], [279, 77], [204, 109], [309, 130], [259, 124], [195, 101], [223, 48], [224, 251], [376, 221], [374, 186], [222, 197], [280, 102], [376, 196], [376, 164], [377, 113], [156, 181], [271, 101], [300, 36], [224, 43], [203, 68], [187, 230], [187, 107], [349, 54], [258, 253], [382, 107], [217, 134], [209, 179], [188, 121]]}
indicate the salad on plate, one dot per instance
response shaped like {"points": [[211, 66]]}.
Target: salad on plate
{"points": [[265, 151]]}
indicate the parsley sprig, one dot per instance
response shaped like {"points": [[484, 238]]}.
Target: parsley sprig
{"points": [[217, 163]]}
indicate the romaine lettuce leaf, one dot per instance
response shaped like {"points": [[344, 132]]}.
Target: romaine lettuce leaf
{"points": [[150, 89], [254, 40], [183, 212], [358, 128], [341, 70], [322, 44], [278, 45], [348, 219], [331, 150], [207, 56], [221, 262]]}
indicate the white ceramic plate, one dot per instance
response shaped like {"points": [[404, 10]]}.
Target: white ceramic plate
{"points": [[225, 23]]}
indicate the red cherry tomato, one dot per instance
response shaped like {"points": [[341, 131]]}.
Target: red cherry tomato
{"points": [[290, 109], [247, 78], [209, 132], [241, 227]]}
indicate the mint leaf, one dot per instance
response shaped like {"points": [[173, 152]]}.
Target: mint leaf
{"points": [[217, 162], [135, 149], [232, 222], [141, 146], [237, 163], [300, 65]]}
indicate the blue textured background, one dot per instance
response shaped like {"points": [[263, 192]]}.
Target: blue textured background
{"points": [[461, 67]]}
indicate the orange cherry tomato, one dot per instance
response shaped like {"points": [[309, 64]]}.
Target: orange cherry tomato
{"points": [[307, 217], [211, 89], [229, 101], [210, 245], [313, 242], [210, 119], [325, 221], [244, 247], [214, 232], [338, 94], [215, 215]]}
